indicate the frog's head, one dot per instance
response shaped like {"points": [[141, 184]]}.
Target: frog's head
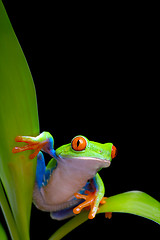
{"points": [[90, 154]]}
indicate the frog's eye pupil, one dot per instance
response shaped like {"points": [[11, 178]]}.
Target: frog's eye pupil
{"points": [[79, 143]]}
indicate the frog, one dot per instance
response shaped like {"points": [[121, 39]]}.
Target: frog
{"points": [[70, 182]]}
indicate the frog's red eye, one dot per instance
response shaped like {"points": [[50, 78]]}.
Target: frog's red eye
{"points": [[114, 152], [79, 143]]}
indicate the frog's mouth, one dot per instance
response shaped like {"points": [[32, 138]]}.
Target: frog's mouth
{"points": [[102, 163]]}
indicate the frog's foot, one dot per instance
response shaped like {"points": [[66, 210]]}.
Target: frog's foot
{"points": [[32, 142], [89, 200], [90, 203]]}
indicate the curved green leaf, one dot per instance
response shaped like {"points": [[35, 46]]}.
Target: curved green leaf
{"points": [[133, 202], [18, 116]]}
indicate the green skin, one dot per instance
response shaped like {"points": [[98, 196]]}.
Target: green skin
{"points": [[93, 149], [69, 172]]}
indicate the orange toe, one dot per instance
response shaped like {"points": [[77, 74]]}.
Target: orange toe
{"points": [[103, 201], [31, 145], [108, 215]]}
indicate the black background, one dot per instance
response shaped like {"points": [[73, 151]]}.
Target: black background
{"points": [[95, 72]]}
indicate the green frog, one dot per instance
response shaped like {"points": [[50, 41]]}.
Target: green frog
{"points": [[70, 182]]}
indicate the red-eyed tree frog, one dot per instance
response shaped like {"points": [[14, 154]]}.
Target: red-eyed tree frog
{"points": [[70, 181]]}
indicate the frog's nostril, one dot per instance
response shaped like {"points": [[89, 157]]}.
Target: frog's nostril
{"points": [[114, 152]]}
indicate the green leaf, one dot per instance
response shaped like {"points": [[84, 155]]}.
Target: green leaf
{"points": [[134, 202], [8, 214], [3, 235], [18, 116]]}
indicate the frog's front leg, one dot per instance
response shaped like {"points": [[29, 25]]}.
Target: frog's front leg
{"points": [[92, 199], [43, 141]]}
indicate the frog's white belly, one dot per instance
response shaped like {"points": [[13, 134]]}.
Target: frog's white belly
{"points": [[59, 192], [61, 187], [70, 176], [41, 203]]}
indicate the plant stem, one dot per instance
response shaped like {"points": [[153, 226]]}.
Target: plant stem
{"points": [[69, 226], [8, 215]]}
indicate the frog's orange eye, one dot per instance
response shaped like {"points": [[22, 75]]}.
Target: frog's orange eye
{"points": [[114, 152], [79, 143]]}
